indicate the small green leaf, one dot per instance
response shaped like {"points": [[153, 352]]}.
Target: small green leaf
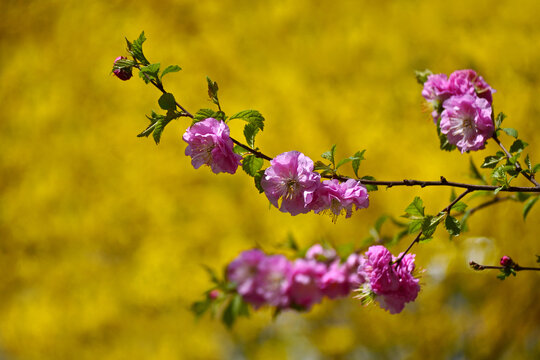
{"points": [[528, 163], [491, 161], [203, 114], [198, 308], [149, 72], [422, 76], [170, 69], [252, 164], [230, 313], [521, 197], [499, 119], [369, 187], [415, 225], [167, 102], [330, 155], [252, 116], [452, 225], [518, 146], [380, 221], [415, 209], [510, 131], [528, 205], [135, 49], [212, 91], [459, 206], [358, 157], [445, 144], [535, 168], [250, 130], [429, 225]]}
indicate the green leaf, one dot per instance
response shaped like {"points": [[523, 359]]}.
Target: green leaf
{"points": [[380, 221], [198, 308], [474, 173], [518, 146], [135, 49], [212, 91], [154, 118], [491, 161], [521, 197], [499, 119], [535, 168], [170, 69], [528, 205], [203, 114], [257, 178], [358, 157], [149, 72], [422, 76], [429, 225], [330, 155], [452, 225], [528, 163], [510, 131], [459, 206], [252, 116], [252, 164], [211, 273], [369, 187], [415, 226], [415, 209], [167, 102], [231, 312], [250, 130], [160, 125]]}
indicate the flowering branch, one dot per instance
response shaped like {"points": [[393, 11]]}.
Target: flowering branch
{"points": [[295, 184], [508, 267]]}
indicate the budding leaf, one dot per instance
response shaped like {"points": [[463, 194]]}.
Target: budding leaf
{"points": [[491, 161], [452, 225], [357, 158], [422, 76], [415, 209], [499, 119], [135, 49], [212, 91], [252, 164], [510, 131], [369, 187], [167, 102], [170, 69], [330, 155], [528, 205]]}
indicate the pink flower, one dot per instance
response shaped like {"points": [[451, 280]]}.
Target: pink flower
{"points": [[506, 261], [462, 82], [317, 252], [209, 144], [392, 285], [435, 91], [290, 178], [243, 272], [123, 73], [305, 287], [335, 281], [466, 122], [340, 197], [273, 280]]}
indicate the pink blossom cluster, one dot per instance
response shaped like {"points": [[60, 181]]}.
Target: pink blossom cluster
{"points": [[209, 143], [292, 186], [384, 280], [462, 107], [274, 280]]}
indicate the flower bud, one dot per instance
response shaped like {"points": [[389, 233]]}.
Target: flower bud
{"points": [[122, 70], [213, 294], [506, 261]]}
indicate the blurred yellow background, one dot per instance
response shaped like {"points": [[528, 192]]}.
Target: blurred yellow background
{"points": [[102, 234]]}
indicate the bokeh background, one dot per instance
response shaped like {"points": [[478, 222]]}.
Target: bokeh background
{"points": [[103, 234]]}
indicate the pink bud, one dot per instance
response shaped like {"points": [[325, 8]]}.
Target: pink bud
{"points": [[123, 73], [506, 261], [213, 294]]}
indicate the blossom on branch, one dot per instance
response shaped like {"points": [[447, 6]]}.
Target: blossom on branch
{"points": [[466, 122], [123, 73], [289, 182], [209, 144], [462, 82], [340, 197], [392, 285], [435, 91]]}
